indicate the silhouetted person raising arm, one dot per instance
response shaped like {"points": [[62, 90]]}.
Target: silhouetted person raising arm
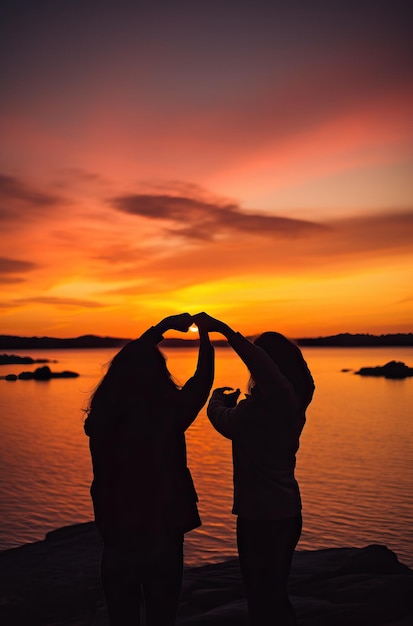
{"points": [[264, 429], [143, 495]]}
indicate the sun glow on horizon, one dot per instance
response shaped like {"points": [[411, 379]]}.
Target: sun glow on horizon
{"points": [[263, 178]]}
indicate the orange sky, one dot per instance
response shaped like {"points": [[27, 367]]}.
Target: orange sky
{"points": [[241, 159]]}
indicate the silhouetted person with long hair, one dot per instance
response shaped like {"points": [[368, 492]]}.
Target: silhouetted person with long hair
{"points": [[143, 495], [264, 429]]}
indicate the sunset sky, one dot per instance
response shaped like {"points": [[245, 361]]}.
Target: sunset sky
{"points": [[249, 159]]}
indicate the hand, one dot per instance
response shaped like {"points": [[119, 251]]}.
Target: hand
{"points": [[207, 323], [229, 399], [179, 322]]}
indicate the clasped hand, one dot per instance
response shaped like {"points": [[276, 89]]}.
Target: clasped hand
{"points": [[183, 321], [180, 322]]}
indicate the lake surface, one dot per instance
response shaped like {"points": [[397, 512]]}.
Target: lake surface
{"points": [[354, 466]]}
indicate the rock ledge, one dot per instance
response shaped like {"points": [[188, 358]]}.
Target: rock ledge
{"points": [[55, 582]]}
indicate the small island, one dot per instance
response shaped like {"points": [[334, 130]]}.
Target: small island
{"points": [[14, 359], [41, 373], [392, 369]]}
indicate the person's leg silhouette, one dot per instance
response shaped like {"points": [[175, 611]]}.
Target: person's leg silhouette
{"points": [[162, 585], [266, 548], [121, 587]]}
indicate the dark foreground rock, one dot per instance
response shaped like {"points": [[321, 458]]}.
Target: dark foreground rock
{"points": [[55, 582]]}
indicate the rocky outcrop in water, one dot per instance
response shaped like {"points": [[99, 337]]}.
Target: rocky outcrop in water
{"points": [[392, 369], [41, 373], [13, 359], [55, 582]]}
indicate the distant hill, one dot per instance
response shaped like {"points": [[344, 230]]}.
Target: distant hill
{"points": [[35, 343], [345, 340], [8, 342]]}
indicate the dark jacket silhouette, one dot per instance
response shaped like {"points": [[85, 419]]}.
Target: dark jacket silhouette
{"points": [[265, 429], [143, 495]]}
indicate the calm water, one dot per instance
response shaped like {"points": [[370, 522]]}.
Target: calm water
{"points": [[354, 465]]}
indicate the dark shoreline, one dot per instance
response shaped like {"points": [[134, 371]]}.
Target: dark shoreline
{"points": [[343, 340], [55, 582]]}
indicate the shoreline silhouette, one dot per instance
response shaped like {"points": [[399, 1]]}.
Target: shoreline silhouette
{"points": [[341, 340]]}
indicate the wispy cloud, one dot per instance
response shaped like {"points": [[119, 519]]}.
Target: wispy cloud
{"points": [[11, 270], [11, 280], [388, 231], [194, 218], [11, 266], [13, 188], [192, 235], [19, 199], [60, 302]]}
